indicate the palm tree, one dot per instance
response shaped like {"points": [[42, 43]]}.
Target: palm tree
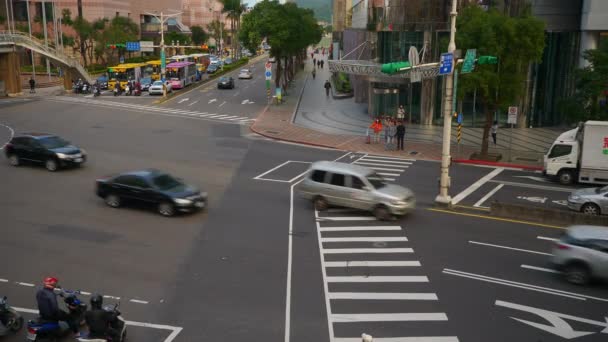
{"points": [[232, 7]]}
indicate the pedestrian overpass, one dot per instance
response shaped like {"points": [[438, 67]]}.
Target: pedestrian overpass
{"points": [[10, 42]]}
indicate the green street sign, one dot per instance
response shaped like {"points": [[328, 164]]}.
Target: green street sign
{"points": [[469, 61], [487, 60], [393, 68]]}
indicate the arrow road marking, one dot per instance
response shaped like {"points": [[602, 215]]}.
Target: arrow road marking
{"points": [[193, 103], [183, 100], [558, 325], [533, 199], [223, 103], [212, 100], [538, 179]]}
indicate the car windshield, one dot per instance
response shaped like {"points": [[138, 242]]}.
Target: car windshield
{"points": [[224, 79], [601, 190], [158, 83], [146, 80], [102, 79], [166, 182], [53, 142], [245, 71], [376, 180]]}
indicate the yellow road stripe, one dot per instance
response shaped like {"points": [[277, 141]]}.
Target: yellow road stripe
{"points": [[496, 218], [470, 207]]}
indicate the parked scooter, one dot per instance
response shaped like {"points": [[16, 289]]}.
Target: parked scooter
{"points": [[10, 320], [96, 90], [38, 330], [127, 90], [119, 325], [86, 88]]}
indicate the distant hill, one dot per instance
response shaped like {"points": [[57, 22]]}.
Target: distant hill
{"points": [[322, 8]]}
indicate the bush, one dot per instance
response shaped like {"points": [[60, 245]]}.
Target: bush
{"points": [[342, 83]]}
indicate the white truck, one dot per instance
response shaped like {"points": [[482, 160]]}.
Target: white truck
{"points": [[580, 155]]}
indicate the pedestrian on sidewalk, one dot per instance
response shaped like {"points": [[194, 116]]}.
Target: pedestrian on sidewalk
{"points": [[392, 131], [322, 63], [377, 128], [400, 134], [401, 113], [386, 121], [319, 64], [327, 86], [312, 55], [314, 73], [314, 62], [32, 85], [494, 131]]}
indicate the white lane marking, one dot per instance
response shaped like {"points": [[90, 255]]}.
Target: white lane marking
{"points": [[389, 158], [372, 263], [138, 301], [510, 248], [223, 103], [546, 238], [111, 297], [236, 94], [183, 100], [401, 339], [351, 218], [488, 195], [215, 116], [380, 168], [383, 295], [193, 103], [211, 101], [534, 186], [538, 179], [359, 228], [232, 116], [11, 138], [385, 162], [466, 192], [289, 262], [375, 165], [389, 179], [522, 285], [174, 330], [25, 284], [245, 102], [542, 269], [365, 250], [3, 280], [269, 171], [239, 118], [364, 239], [389, 317], [298, 176], [388, 174], [85, 293], [377, 279]]}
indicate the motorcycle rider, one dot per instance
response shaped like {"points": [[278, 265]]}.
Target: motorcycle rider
{"points": [[49, 309], [99, 320], [117, 89]]}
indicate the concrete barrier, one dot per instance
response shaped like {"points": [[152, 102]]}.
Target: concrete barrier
{"points": [[560, 217]]}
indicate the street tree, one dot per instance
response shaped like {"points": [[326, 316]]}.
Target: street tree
{"points": [[84, 37], [118, 30], [199, 36], [516, 41], [216, 29]]}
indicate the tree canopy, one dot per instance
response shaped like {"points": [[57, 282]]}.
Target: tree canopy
{"points": [[199, 36], [516, 41]]}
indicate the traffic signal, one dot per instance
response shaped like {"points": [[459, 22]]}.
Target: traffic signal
{"points": [[393, 68], [487, 60]]}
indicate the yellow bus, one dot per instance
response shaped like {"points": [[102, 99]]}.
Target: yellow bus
{"points": [[123, 73], [153, 69]]}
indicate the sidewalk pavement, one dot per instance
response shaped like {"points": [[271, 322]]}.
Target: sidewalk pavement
{"points": [[309, 117]]}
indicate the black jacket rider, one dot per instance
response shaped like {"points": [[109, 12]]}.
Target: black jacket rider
{"points": [[99, 321], [47, 305]]}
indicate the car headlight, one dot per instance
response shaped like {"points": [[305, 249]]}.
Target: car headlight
{"points": [[182, 201], [399, 202], [575, 198], [62, 156]]}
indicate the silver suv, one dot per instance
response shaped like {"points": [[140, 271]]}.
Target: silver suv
{"points": [[353, 186], [582, 254], [591, 201]]}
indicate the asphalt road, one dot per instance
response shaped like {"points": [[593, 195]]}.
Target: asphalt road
{"points": [[261, 264]]}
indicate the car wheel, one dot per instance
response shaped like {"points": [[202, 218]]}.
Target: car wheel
{"points": [[590, 209], [320, 203], [51, 165], [577, 273], [565, 177], [382, 213], [166, 209], [14, 160], [113, 200]]}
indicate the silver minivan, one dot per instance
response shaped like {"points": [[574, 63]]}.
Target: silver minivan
{"points": [[582, 254], [354, 186]]}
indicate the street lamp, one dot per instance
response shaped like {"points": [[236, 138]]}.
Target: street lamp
{"points": [[163, 17], [444, 181]]}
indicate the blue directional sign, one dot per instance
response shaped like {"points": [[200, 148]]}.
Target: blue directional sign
{"points": [[459, 118], [268, 74], [133, 46], [446, 63]]}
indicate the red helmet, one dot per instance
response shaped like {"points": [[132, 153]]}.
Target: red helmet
{"points": [[50, 282]]}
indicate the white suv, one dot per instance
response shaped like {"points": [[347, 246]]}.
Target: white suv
{"points": [[582, 253]]}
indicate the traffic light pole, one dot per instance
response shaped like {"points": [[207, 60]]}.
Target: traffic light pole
{"points": [[444, 181], [162, 19]]}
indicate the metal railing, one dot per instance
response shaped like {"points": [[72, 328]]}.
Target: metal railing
{"points": [[368, 68], [34, 44]]}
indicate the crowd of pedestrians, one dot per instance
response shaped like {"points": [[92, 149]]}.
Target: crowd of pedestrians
{"points": [[388, 130]]}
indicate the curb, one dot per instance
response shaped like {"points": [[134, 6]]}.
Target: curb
{"points": [[497, 164], [295, 111], [291, 140]]}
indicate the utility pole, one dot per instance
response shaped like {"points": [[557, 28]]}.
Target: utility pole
{"points": [[29, 24], [163, 17], [444, 181], [8, 16], [46, 38]]}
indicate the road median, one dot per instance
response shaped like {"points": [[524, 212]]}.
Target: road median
{"points": [[544, 215]]}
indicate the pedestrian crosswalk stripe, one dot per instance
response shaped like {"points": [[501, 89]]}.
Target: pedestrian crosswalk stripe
{"points": [[366, 250], [380, 168], [388, 158], [365, 239], [372, 165], [386, 161], [388, 174], [383, 296], [401, 339], [378, 279], [371, 263], [351, 218], [389, 317], [362, 228]]}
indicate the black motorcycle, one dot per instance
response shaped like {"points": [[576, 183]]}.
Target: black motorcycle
{"points": [[10, 320]]}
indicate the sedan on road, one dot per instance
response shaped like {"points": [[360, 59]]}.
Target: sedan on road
{"points": [[212, 68], [157, 88], [245, 74], [47, 149], [590, 201], [225, 82], [145, 82], [167, 194]]}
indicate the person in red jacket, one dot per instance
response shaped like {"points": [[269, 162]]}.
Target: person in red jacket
{"points": [[377, 128]]}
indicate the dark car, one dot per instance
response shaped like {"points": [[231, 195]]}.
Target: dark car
{"points": [[225, 83], [212, 68], [103, 82], [167, 194], [145, 82], [48, 149], [228, 61]]}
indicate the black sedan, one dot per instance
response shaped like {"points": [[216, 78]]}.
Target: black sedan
{"points": [[225, 83], [47, 149], [167, 194]]}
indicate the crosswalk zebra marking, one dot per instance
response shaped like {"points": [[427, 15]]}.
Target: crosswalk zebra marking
{"points": [[382, 296]]}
